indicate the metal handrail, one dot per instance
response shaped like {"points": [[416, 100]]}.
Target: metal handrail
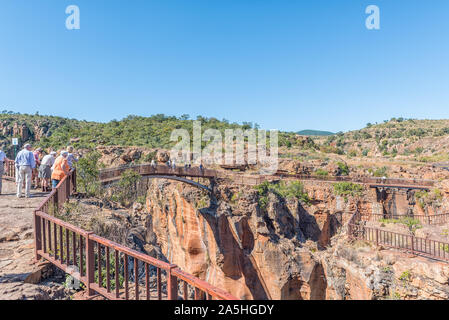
{"points": [[66, 245], [434, 219], [434, 249], [410, 243]]}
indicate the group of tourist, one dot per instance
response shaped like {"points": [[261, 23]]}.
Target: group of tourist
{"points": [[35, 167]]}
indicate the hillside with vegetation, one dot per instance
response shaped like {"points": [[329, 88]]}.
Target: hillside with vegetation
{"points": [[52, 132], [398, 138]]}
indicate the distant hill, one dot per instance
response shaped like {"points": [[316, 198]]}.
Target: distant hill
{"points": [[315, 133]]}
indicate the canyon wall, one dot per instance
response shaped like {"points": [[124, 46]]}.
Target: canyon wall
{"points": [[233, 244], [284, 250]]}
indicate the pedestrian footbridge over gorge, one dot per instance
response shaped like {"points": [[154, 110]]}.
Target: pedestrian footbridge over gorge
{"points": [[186, 175], [114, 271]]}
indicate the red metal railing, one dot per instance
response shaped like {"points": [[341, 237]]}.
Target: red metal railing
{"points": [[430, 248], [365, 180], [148, 169], [435, 219], [106, 267], [420, 246]]}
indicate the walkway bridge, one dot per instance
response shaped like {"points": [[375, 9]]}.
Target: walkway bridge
{"points": [[190, 174], [185, 175], [372, 182]]}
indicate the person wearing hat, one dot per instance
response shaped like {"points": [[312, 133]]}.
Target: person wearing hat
{"points": [[45, 170], [2, 168], [60, 169], [25, 163], [37, 157]]}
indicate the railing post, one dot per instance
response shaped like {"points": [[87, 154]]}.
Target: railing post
{"points": [[74, 180], [55, 201], [37, 235], [90, 264], [67, 191], [172, 284], [198, 294], [413, 245], [377, 237]]}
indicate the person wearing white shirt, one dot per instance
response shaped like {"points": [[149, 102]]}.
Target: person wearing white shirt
{"points": [[45, 170], [2, 168]]}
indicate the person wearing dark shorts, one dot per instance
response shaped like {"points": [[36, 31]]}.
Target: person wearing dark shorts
{"points": [[45, 170]]}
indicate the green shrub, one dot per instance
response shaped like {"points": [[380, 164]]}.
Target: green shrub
{"points": [[405, 276], [347, 189], [331, 149], [380, 172], [87, 170], [344, 169], [125, 191], [425, 198], [293, 189], [321, 172], [112, 271], [352, 153], [411, 223]]}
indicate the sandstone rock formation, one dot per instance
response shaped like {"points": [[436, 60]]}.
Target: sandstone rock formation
{"points": [[358, 271], [235, 245], [162, 156], [284, 250]]}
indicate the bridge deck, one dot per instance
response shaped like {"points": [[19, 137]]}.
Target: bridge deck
{"points": [[162, 170], [176, 178], [399, 186], [195, 172]]}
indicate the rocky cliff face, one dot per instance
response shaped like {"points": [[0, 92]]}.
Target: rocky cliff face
{"points": [[287, 251], [234, 244], [23, 131], [359, 271]]}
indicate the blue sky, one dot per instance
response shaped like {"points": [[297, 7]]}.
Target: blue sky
{"points": [[286, 65]]}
